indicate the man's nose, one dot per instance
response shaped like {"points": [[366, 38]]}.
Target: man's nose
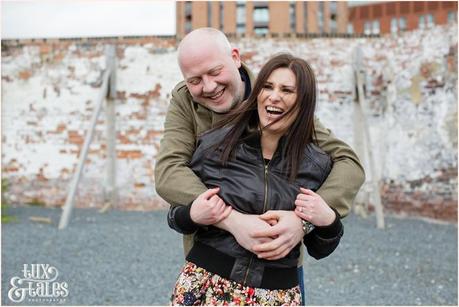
{"points": [[209, 85]]}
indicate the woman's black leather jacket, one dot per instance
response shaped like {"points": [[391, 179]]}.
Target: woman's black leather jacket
{"points": [[252, 186]]}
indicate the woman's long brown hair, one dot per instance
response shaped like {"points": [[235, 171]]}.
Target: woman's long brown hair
{"points": [[245, 115]]}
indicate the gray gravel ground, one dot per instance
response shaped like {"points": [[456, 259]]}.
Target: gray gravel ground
{"points": [[133, 258]]}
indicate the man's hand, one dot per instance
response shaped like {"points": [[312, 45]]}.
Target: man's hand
{"points": [[288, 232], [243, 226], [312, 208], [209, 208]]}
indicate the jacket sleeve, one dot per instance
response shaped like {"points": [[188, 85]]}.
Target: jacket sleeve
{"points": [[322, 241], [175, 182], [179, 219], [347, 174]]}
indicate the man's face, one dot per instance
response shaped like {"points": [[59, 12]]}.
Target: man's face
{"points": [[213, 79]]}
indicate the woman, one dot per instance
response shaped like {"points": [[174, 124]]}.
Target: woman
{"points": [[260, 157]]}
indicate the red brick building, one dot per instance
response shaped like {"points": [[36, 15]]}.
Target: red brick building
{"points": [[395, 16], [252, 18]]}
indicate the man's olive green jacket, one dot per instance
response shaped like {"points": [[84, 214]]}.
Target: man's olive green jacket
{"points": [[185, 120]]}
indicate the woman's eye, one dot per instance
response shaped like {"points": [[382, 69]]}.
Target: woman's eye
{"points": [[267, 86]]}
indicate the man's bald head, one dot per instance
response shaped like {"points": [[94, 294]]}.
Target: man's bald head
{"points": [[210, 67], [203, 38]]}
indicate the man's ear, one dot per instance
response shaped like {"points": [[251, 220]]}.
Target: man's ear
{"points": [[236, 57]]}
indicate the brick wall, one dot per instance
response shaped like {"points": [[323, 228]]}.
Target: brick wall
{"points": [[49, 91]]}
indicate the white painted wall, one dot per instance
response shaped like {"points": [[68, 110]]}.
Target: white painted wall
{"points": [[412, 140]]}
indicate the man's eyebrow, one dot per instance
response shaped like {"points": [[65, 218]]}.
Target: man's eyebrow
{"points": [[192, 78], [215, 68], [209, 71]]}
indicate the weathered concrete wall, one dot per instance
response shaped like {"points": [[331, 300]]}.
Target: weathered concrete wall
{"points": [[49, 92]]}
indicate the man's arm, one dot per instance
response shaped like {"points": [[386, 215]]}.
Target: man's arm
{"points": [[174, 180], [205, 210], [209, 207], [347, 174]]}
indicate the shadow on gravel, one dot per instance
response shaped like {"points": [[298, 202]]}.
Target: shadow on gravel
{"points": [[133, 258]]}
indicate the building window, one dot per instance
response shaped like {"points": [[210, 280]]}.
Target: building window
{"points": [[426, 21], [305, 15], [430, 20], [261, 20], [402, 23], [188, 25], [222, 14], [350, 28], [393, 25], [292, 16], [371, 27], [240, 17], [376, 27], [367, 28], [209, 14], [398, 24], [452, 17], [422, 22], [320, 17], [261, 15], [333, 12], [187, 7], [261, 30]]}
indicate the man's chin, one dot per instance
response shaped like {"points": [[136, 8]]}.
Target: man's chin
{"points": [[220, 108]]}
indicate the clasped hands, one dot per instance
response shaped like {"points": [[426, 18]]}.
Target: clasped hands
{"points": [[270, 236]]}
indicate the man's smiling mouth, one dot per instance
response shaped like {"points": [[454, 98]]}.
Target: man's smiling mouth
{"points": [[217, 95]]}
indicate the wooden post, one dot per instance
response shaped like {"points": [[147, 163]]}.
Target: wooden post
{"points": [[375, 182], [110, 189], [69, 202], [363, 197]]}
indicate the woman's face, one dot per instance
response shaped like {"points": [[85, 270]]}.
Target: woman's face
{"points": [[278, 95]]}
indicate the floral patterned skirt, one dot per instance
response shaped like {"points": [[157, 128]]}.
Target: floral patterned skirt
{"points": [[196, 286]]}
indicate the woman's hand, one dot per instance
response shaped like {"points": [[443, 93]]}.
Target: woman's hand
{"points": [[312, 208], [286, 231]]}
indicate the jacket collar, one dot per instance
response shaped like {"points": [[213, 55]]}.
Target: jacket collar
{"points": [[252, 138]]}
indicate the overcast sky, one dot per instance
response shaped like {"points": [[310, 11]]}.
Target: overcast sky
{"points": [[89, 18]]}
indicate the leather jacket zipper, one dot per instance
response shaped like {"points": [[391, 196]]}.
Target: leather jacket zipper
{"points": [[265, 204]]}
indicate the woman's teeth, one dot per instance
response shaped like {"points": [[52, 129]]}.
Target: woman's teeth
{"points": [[274, 110]]}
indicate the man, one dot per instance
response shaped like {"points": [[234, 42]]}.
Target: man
{"points": [[215, 80]]}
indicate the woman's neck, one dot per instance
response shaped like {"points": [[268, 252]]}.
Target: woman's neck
{"points": [[269, 144]]}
